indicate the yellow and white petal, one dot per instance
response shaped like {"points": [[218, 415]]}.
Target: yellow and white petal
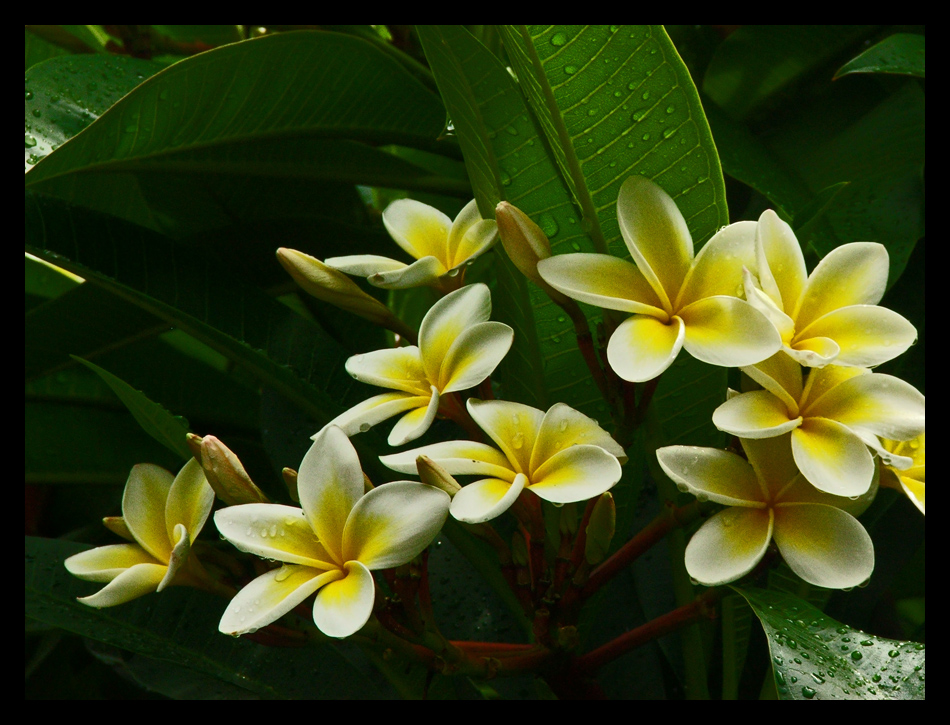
{"points": [[329, 483], [712, 475], [729, 332], [780, 264], [364, 265], [425, 271], [446, 320], [393, 523], [416, 422], [397, 368], [813, 352], [470, 236], [459, 458], [363, 416], [782, 377], [577, 473], [421, 230], [486, 499], [878, 404], [181, 548], [756, 414], [656, 235], [343, 606], [105, 563], [143, 508], [717, 269], [642, 347], [866, 334], [189, 501], [822, 380], [474, 356], [767, 306], [563, 426], [514, 428], [773, 463], [270, 596], [729, 545], [832, 457], [273, 531], [824, 545], [604, 281], [134, 582], [852, 274], [914, 488]]}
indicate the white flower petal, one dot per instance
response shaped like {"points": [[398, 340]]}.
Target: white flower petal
{"points": [[779, 261], [576, 473], [189, 500], [475, 355], [416, 422], [459, 458], [729, 332], [398, 368], [514, 428], [470, 236], [729, 545], [270, 596], [446, 320], [425, 271], [756, 414], [134, 582], [393, 523], [343, 606], [832, 457], [143, 508], [852, 274], [105, 563], [329, 483], [364, 265], [602, 280], [656, 235], [487, 499], [273, 531], [717, 269], [642, 347], [824, 545], [713, 475], [866, 335], [363, 416], [563, 426]]}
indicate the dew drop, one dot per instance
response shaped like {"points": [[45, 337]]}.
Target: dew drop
{"points": [[570, 70], [808, 692], [559, 39]]}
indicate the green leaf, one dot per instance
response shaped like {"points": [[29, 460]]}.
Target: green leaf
{"points": [[816, 658], [167, 429], [901, 53], [216, 126], [179, 627]]}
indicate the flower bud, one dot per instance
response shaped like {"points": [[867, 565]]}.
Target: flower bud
{"points": [[225, 472], [600, 529], [433, 474], [290, 480], [525, 244], [331, 285]]}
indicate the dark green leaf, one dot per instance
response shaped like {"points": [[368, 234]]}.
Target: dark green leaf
{"points": [[901, 53], [816, 658]]}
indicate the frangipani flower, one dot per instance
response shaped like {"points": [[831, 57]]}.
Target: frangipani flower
{"points": [[561, 456], [907, 478], [677, 301], [440, 246], [331, 544], [833, 417], [768, 499], [162, 514], [458, 349], [830, 316]]}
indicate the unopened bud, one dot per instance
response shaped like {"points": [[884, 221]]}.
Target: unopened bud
{"points": [[600, 529], [525, 244], [331, 285], [290, 480], [433, 474], [224, 472]]}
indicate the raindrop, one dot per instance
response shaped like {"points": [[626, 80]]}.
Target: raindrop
{"points": [[808, 692], [570, 70], [29, 141], [559, 39]]}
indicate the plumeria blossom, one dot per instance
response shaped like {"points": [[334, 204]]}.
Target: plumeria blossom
{"points": [[161, 514], [831, 316], [909, 479], [561, 456], [440, 246], [331, 544], [833, 416], [458, 349], [767, 498], [677, 300]]}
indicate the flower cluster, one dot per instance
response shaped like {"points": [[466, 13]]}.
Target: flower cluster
{"points": [[809, 433]]}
